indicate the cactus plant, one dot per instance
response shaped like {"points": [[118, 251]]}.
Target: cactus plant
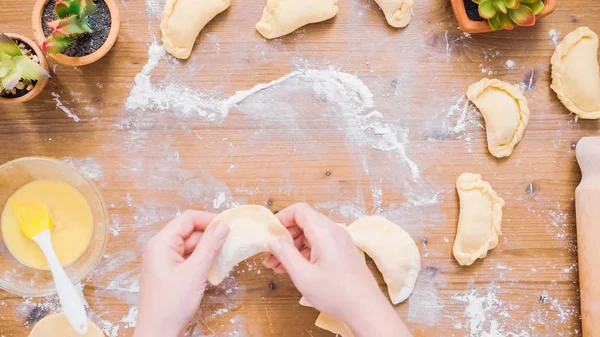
{"points": [[73, 20], [17, 68], [507, 14]]}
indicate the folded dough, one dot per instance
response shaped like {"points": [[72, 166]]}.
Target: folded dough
{"points": [[333, 324], [575, 73], [394, 252], [281, 17], [57, 325], [505, 111], [479, 222], [182, 21], [397, 12], [251, 227]]}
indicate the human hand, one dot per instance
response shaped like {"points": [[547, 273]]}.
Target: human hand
{"points": [[328, 269], [324, 263], [174, 271]]}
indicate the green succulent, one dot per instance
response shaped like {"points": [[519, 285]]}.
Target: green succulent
{"points": [[14, 66], [73, 20], [509, 13]]}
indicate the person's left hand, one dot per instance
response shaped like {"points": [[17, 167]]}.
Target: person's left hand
{"points": [[174, 271]]}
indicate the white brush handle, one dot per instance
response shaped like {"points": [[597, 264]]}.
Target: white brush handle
{"points": [[69, 299]]}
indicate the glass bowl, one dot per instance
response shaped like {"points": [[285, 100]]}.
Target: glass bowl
{"points": [[22, 280]]}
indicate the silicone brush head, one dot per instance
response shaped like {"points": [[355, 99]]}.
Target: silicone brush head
{"points": [[33, 217]]}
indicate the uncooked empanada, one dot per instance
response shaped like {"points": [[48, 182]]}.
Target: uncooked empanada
{"points": [[397, 12], [333, 324], [394, 252], [505, 111], [182, 21], [479, 222], [575, 73], [281, 17], [251, 227]]}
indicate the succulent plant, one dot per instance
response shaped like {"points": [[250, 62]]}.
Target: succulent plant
{"points": [[509, 13], [73, 20], [15, 66]]}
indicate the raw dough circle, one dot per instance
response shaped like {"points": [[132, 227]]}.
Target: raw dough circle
{"points": [[72, 223], [57, 325]]}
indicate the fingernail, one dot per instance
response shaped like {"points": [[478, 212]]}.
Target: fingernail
{"points": [[221, 231], [275, 246]]}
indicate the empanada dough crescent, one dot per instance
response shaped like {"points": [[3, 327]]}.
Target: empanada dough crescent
{"points": [[397, 12], [182, 21], [479, 222], [393, 251], [333, 324], [251, 227], [576, 75], [281, 17], [57, 325], [505, 111]]}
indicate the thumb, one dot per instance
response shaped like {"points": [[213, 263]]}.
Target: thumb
{"points": [[207, 249], [293, 261]]}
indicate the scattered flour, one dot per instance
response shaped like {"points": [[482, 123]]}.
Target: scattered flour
{"points": [[364, 124], [115, 227], [554, 36], [88, 165], [66, 110], [424, 306], [131, 318], [510, 64]]}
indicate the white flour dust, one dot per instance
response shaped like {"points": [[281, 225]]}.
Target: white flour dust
{"points": [[554, 36], [90, 167], [66, 110], [487, 315], [363, 124], [424, 306]]}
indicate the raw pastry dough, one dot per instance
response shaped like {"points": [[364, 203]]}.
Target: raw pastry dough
{"points": [[505, 111], [397, 12], [281, 17], [57, 325], [182, 21], [251, 227], [394, 252], [333, 324], [479, 222], [575, 73]]}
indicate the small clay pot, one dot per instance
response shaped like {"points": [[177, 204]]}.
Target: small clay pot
{"points": [[40, 84], [469, 26], [38, 32]]}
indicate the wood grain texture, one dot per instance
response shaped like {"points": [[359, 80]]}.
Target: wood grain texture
{"points": [[416, 75]]}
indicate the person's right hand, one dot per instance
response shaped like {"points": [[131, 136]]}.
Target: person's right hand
{"points": [[328, 269], [332, 275]]}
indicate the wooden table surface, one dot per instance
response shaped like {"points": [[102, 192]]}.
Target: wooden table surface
{"points": [[287, 144]]}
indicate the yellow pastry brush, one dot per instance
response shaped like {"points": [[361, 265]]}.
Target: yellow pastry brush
{"points": [[36, 224]]}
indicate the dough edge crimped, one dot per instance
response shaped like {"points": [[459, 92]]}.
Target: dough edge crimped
{"points": [[557, 84], [469, 181], [178, 51], [400, 17], [265, 26], [478, 88]]}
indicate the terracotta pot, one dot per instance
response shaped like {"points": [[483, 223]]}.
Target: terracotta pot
{"points": [[38, 32], [39, 86], [469, 26]]}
